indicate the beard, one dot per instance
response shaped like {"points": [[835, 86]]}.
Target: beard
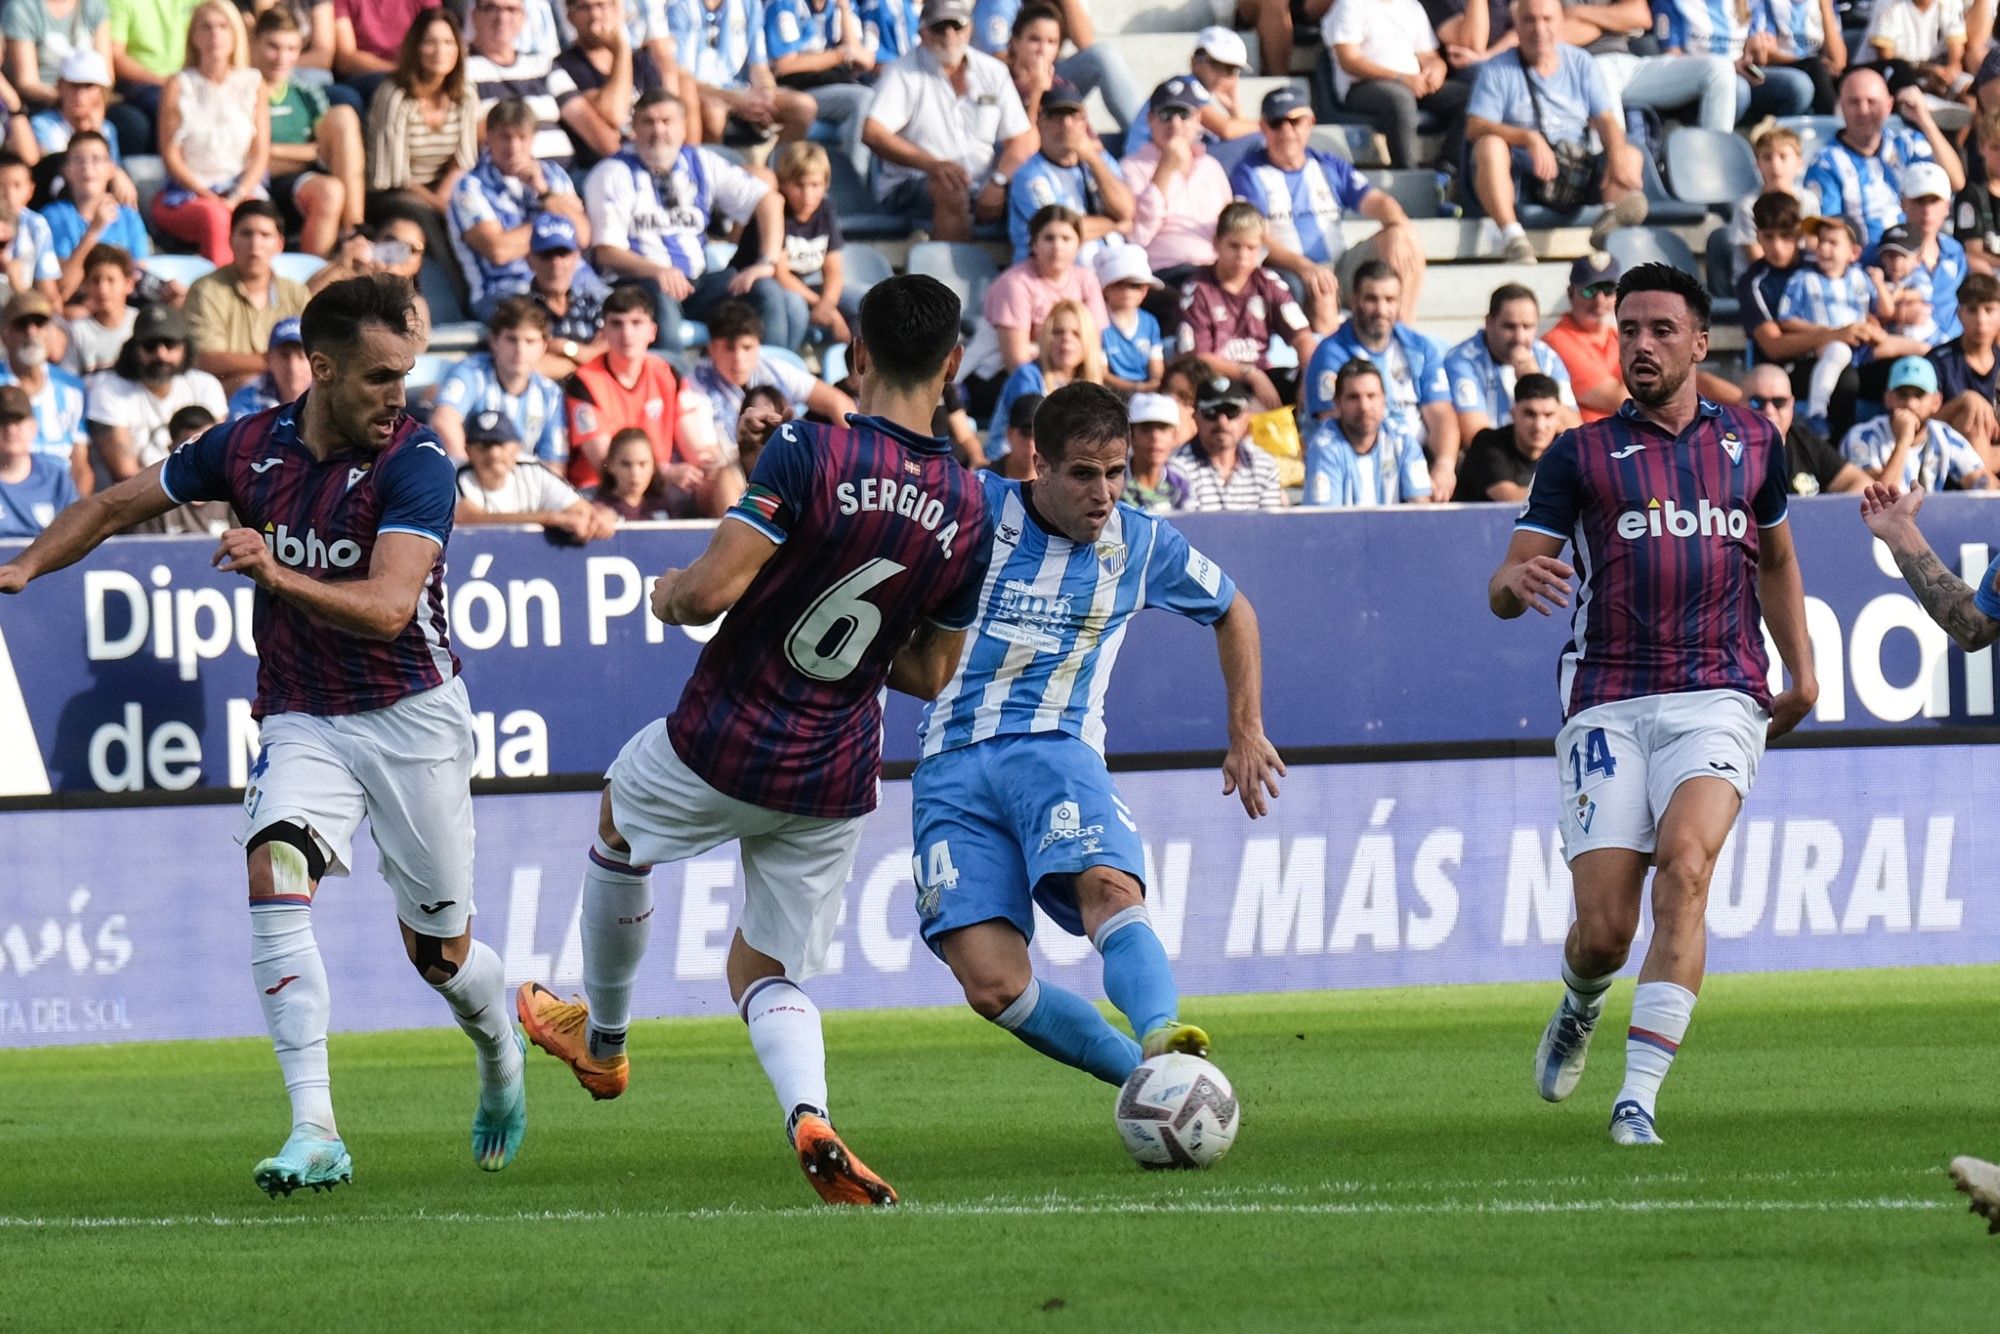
{"points": [[1665, 390], [157, 372]]}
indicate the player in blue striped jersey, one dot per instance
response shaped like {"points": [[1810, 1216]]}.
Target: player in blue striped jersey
{"points": [[1013, 806]]}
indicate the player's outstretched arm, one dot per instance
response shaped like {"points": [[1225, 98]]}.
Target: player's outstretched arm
{"points": [[1781, 593], [1891, 515], [924, 666], [78, 530], [375, 607], [1530, 576], [716, 579], [1252, 767]]}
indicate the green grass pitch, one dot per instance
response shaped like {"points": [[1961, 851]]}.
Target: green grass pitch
{"points": [[1394, 1171]]}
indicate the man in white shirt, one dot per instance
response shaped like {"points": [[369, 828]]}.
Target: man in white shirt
{"points": [[947, 129], [496, 485], [132, 403]]}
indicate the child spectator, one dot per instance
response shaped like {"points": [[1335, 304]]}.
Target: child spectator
{"points": [[287, 375], [1231, 308], [1781, 164], [87, 215], [496, 485], [203, 516], [1068, 350], [1831, 293], [736, 362], [34, 488], [632, 487], [109, 279], [1017, 461], [1134, 352], [1152, 483], [506, 380], [27, 243], [812, 267], [765, 409], [1902, 298], [1975, 210]]}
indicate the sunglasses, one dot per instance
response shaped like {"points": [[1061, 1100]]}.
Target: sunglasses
{"points": [[1601, 289], [1173, 113], [158, 345], [1220, 411], [1297, 119], [1760, 402], [952, 25]]}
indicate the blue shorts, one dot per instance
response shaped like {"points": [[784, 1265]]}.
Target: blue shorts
{"points": [[1008, 823]]}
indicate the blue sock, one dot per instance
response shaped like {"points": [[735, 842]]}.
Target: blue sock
{"points": [[1137, 976], [1067, 1027]]}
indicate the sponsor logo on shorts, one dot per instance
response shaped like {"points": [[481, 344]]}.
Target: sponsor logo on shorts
{"points": [[433, 909], [283, 982], [1066, 824], [1722, 766], [1586, 811]]}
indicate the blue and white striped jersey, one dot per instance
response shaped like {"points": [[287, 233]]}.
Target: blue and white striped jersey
{"points": [[1052, 616], [718, 46], [1481, 384], [665, 218], [1706, 27], [1830, 303], [1797, 24], [1867, 190], [536, 412], [58, 405]]}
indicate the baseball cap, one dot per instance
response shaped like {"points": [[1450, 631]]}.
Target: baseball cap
{"points": [[1898, 237], [1124, 264], [287, 331], [15, 405], [1223, 45], [28, 303], [945, 11], [84, 64], [490, 426], [1183, 91], [1218, 391], [1157, 408], [1926, 180], [1596, 269], [552, 232], [1284, 103], [1061, 93], [1913, 373], [1812, 226], [159, 323]]}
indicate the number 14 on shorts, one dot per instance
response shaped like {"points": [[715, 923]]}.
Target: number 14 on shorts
{"points": [[1590, 755]]}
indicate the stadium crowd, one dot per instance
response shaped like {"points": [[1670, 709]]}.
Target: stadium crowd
{"points": [[637, 204]]}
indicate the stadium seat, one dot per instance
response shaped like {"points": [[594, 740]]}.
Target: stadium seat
{"points": [[457, 336], [1710, 167], [862, 266], [1415, 188], [1815, 132], [440, 293], [299, 268], [1662, 209], [1719, 272], [966, 269], [149, 177], [861, 216], [429, 371], [694, 334], [1232, 151], [182, 269], [1651, 245], [1337, 139]]}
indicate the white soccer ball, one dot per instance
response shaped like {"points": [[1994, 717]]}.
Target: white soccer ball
{"points": [[1177, 1111]]}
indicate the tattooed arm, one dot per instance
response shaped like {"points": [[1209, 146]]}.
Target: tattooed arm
{"points": [[1892, 516]]}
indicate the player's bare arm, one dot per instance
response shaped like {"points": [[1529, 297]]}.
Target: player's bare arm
{"points": [[924, 666], [709, 586], [79, 529], [1531, 576], [1891, 514], [1252, 767], [1782, 595], [375, 607]]}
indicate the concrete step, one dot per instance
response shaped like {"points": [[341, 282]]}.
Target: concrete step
{"points": [[1159, 15]]}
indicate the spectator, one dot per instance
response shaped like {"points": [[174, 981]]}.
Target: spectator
{"points": [[1760, 292], [1224, 471], [233, 309], [34, 488], [1386, 67], [1412, 365], [1976, 209], [496, 485], [501, 69], [1067, 350], [1306, 193], [570, 294], [1071, 169], [633, 488], [1019, 300], [1940, 263], [658, 239], [765, 409], [43, 35], [1812, 465], [892, 25], [1272, 20], [1016, 459], [148, 47], [1484, 369], [1676, 82], [736, 362], [1469, 32], [81, 91], [286, 375], [204, 517], [1856, 175], [1586, 337], [1360, 456], [1806, 36], [397, 246], [87, 216], [493, 207], [1231, 310], [1217, 64], [131, 405], [368, 39], [1152, 482], [105, 321], [1182, 381], [1902, 289], [1968, 378], [606, 71], [423, 130], [26, 240], [1780, 162], [947, 129], [317, 170], [998, 27], [821, 49], [56, 396], [504, 379], [1923, 39], [1835, 294], [1694, 27], [721, 43], [627, 387], [1178, 190], [810, 266], [1513, 126], [1909, 447], [214, 132], [1499, 465], [1134, 351]]}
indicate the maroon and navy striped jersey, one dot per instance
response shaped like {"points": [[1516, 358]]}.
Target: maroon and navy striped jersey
{"points": [[321, 517], [879, 529], [1665, 531]]}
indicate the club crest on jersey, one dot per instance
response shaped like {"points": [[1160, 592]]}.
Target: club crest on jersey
{"points": [[1111, 557], [354, 475], [1732, 446]]}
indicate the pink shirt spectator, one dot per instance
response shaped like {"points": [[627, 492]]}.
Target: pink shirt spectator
{"points": [[1176, 226], [1020, 298], [379, 25]]}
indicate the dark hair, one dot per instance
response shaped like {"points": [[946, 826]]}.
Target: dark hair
{"points": [[88, 137], [511, 113], [1189, 368], [770, 392], [1657, 277], [194, 417], [1050, 213], [1979, 289], [1506, 294], [1360, 368], [1021, 413], [126, 367], [653, 97], [628, 297], [519, 312], [1371, 271], [1537, 385], [909, 324], [1775, 211], [333, 318], [1034, 11], [276, 19], [655, 496], [1080, 413], [733, 320], [409, 56], [256, 208], [103, 256]]}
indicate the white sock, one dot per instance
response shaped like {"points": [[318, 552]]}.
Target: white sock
{"points": [[784, 1030], [1660, 1014], [1586, 994], [1827, 367], [477, 994], [1510, 231], [617, 919], [291, 984]]}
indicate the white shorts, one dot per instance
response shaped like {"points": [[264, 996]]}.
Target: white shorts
{"points": [[408, 769], [1622, 762], [794, 866]]}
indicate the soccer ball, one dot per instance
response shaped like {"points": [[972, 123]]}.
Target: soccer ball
{"points": [[1177, 1111]]}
